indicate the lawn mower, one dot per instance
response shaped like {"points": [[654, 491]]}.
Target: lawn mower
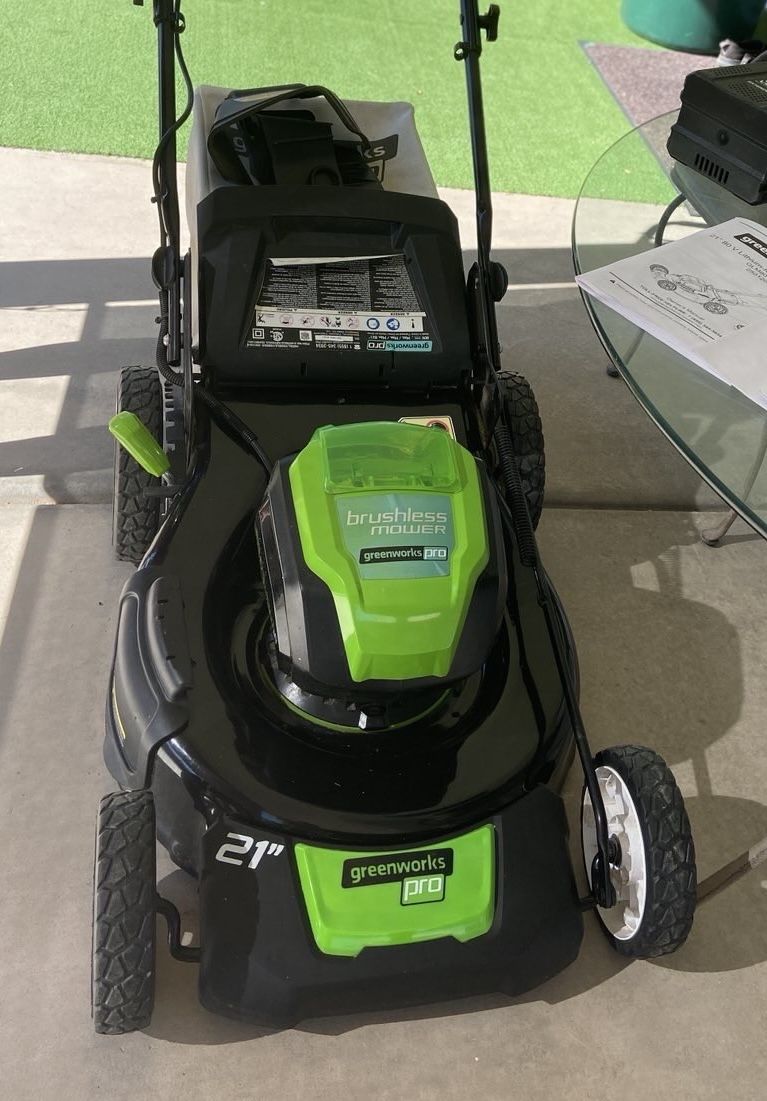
{"points": [[344, 692], [713, 299]]}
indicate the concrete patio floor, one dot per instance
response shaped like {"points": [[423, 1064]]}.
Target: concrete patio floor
{"points": [[672, 647]]}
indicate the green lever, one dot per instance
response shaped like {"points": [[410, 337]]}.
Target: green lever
{"points": [[139, 442]]}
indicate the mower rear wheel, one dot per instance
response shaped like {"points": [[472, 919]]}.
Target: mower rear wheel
{"points": [[124, 909], [524, 423], [136, 514], [654, 871]]}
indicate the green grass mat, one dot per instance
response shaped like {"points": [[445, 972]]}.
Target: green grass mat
{"points": [[79, 75]]}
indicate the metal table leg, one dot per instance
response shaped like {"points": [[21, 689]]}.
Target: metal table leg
{"points": [[711, 536], [664, 218]]}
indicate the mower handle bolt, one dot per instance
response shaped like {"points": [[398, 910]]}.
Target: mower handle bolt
{"points": [[489, 22]]}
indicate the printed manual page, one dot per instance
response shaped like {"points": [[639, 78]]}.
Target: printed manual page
{"points": [[705, 296]]}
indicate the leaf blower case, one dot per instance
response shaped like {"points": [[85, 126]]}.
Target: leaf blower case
{"points": [[720, 132]]}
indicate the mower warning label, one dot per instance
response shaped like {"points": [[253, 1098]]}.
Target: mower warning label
{"points": [[362, 304]]}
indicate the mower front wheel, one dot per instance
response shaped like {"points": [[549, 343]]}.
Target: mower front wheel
{"points": [[653, 871], [124, 909], [136, 513]]}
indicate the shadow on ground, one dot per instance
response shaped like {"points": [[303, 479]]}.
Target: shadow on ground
{"points": [[602, 450], [115, 299]]}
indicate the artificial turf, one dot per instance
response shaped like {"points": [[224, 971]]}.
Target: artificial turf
{"points": [[79, 75]]}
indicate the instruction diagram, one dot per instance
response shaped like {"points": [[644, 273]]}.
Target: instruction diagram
{"points": [[713, 299]]}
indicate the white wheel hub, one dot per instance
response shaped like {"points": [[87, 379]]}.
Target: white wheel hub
{"points": [[629, 876]]}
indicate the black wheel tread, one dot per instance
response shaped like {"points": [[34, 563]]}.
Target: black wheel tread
{"points": [[526, 430], [670, 851], [124, 913], [136, 515]]}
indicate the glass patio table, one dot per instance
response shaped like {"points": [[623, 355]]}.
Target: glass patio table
{"points": [[635, 198]]}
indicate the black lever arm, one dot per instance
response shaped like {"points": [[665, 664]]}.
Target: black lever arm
{"points": [[469, 51]]}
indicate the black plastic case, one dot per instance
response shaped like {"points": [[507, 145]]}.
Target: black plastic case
{"points": [[722, 128]]}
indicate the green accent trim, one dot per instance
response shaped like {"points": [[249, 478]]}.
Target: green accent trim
{"points": [[132, 434], [338, 728], [399, 620], [116, 713], [383, 901]]}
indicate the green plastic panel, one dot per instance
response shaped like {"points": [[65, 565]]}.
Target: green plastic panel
{"points": [[386, 455], [391, 518], [356, 900]]}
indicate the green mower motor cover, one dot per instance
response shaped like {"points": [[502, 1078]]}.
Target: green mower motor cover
{"points": [[384, 557]]}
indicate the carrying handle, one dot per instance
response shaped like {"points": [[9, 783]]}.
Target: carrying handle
{"points": [[287, 91], [238, 93]]}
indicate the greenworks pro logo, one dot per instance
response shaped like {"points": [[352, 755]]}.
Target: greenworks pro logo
{"points": [[399, 521], [397, 535], [366, 871], [422, 888], [403, 554]]}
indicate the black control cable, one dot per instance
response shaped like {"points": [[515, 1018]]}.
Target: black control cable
{"points": [[516, 518], [227, 420]]}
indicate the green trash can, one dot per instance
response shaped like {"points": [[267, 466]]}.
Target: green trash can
{"points": [[694, 25]]}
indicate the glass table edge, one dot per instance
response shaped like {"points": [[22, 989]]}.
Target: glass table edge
{"points": [[757, 523]]}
